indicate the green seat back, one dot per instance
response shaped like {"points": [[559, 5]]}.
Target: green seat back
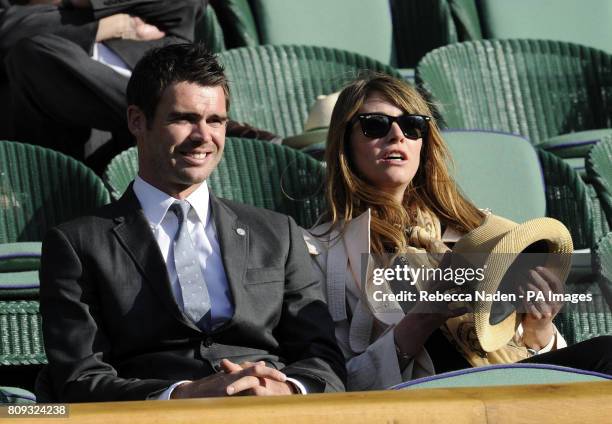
{"points": [[208, 31], [575, 21], [21, 340], [237, 22], [120, 172], [15, 395], [504, 375], [599, 171], [603, 262], [587, 319], [40, 188], [421, 26], [535, 88], [568, 200], [273, 87], [20, 256], [253, 172], [518, 191], [361, 26]]}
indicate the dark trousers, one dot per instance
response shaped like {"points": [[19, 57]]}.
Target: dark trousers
{"points": [[590, 355], [59, 93]]}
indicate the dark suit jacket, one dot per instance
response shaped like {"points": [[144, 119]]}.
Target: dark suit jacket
{"points": [[177, 18], [113, 330]]}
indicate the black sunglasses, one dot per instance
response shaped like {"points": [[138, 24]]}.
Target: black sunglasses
{"points": [[376, 125]]}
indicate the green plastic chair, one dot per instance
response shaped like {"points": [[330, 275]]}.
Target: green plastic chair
{"points": [[574, 21], [599, 173], [498, 171], [40, 188], [536, 88], [209, 31], [254, 172], [273, 87], [360, 26], [421, 26]]}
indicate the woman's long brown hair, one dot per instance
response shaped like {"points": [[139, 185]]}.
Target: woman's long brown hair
{"points": [[432, 190]]}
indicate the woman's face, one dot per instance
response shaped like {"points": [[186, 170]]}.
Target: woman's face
{"points": [[388, 163]]}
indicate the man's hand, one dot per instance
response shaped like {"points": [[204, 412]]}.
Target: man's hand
{"points": [[249, 378], [127, 27], [266, 387], [537, 321]]}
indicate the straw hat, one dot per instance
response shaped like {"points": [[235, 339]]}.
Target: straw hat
{"points": [[495, 246], [317, 123]]}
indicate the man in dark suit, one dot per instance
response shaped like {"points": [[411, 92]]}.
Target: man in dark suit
{"points": [[68, 64], [172, 292]]}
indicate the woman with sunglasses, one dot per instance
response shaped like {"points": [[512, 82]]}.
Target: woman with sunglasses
{"points": [[386, 172]]}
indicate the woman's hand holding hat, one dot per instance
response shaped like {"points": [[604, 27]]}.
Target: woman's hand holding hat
{"points": [[537, 320]]}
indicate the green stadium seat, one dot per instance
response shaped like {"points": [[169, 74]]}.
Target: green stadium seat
{"points": [[209, 31], [421, 26], [237, 22], [536, 88], [504, 375], [572, 202], [253, 172], [575, 21], [360, 26], [585, 320], [21, 333], [273, 87], [15, 395], [505, 173], [498, 171], [599, 173], [40, 188]]}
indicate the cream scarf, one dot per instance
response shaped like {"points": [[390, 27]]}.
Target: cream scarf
{"points": [[427, 249]]}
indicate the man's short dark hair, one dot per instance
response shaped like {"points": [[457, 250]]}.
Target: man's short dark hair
{"points": [[161, 67]]}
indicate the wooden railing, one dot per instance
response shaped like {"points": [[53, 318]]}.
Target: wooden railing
{"points": [[564, 403]]}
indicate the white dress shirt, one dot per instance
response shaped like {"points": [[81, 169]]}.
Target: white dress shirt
{"points": [[106, 56], [155, 204]]}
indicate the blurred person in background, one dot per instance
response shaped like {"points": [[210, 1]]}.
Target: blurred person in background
{"points": [[68, 63]]}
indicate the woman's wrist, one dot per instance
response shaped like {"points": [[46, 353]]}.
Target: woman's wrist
{"points": [[536, 338]]}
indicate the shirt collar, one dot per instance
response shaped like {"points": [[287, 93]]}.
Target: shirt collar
{"points": [[155, 203]]}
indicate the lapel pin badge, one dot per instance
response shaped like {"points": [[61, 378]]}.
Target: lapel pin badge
{"points": [[240, 231]]}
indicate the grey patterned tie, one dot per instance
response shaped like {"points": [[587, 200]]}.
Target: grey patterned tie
{"points": [[195, 294]]}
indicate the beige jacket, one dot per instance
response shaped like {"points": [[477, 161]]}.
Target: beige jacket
{"points": [[372, 362]]}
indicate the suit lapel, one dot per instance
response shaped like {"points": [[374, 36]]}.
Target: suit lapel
{"points": [[233, 239], [135, 236]]}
